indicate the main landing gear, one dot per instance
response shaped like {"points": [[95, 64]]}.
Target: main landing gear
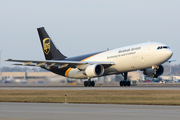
{"points": [[89, 83], [125, 82]]}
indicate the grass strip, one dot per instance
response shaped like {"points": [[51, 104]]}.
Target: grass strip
{"points": [[139, 97]]}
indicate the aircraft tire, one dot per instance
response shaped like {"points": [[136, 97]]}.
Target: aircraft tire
{"points": [[92, 83], [89, 84], [128, 83], [85, 83], [121, 83], [125, 83]]}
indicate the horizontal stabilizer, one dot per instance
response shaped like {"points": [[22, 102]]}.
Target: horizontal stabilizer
{"points": [[171, 61]]}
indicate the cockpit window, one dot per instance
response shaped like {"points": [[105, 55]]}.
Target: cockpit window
{"points": [[163, 47]]}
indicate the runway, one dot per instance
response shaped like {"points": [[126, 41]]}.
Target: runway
{"points": [[57, 111], [50, 87]]}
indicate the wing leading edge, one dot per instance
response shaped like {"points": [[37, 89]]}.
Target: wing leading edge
{"points": [[60, 64]]}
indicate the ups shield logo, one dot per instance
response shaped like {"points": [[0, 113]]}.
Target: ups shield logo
{"points": [[46, 45]]}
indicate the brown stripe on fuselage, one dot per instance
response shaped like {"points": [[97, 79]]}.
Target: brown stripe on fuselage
{"points": [[93, 56], [65, 71], [80, 58]]}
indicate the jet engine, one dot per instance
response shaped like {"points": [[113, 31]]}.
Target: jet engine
{"points": [[154, 73], [94, 70]]}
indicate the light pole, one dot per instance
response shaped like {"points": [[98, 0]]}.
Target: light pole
{"points": [[170, 74], [0, 67]]}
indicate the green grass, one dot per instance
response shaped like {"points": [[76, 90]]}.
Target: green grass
{"points": [[140, 97]]}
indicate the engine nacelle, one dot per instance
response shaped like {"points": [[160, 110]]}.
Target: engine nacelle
{"points": [[150, 72], [94, 70]]}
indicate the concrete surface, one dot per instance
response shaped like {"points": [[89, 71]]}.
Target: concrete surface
{"points": [[56, 111]]}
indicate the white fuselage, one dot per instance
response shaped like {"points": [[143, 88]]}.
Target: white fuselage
{"points": [[130, 58]]}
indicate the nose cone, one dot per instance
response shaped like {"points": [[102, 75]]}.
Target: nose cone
{"points": [[164, 55], [169, 53]]}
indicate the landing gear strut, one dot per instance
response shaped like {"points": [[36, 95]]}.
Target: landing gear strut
{"points": [[89, 83], [125, 82]]}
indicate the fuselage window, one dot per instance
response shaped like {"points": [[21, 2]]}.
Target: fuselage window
{"points": [[166, 47], [159, 48], [163, 47]]}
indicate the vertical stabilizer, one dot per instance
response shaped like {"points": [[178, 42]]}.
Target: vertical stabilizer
{"points": [[49, 49]]}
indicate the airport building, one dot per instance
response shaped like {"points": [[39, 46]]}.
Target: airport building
{"points": [[32, 76], [47, 77]]}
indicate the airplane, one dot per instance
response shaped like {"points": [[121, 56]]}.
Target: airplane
{"points": [[9, 80], [147, 57]]}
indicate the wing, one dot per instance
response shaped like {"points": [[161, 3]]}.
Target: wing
{"points": [[61, 63], [171, 61]]}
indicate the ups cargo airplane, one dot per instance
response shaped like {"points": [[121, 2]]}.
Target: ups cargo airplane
{"points": [[146, 57]]}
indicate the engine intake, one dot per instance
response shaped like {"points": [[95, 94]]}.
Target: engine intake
{"points": [[150, 72], [94, 70]]}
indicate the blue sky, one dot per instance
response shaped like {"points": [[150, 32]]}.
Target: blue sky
{"points": [[84, 26]]}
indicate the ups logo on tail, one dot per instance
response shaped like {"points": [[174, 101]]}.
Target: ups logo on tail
{"points": [[46, 45]]}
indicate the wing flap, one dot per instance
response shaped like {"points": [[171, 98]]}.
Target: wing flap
{"points": [[24, 65], [27, 63]]}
